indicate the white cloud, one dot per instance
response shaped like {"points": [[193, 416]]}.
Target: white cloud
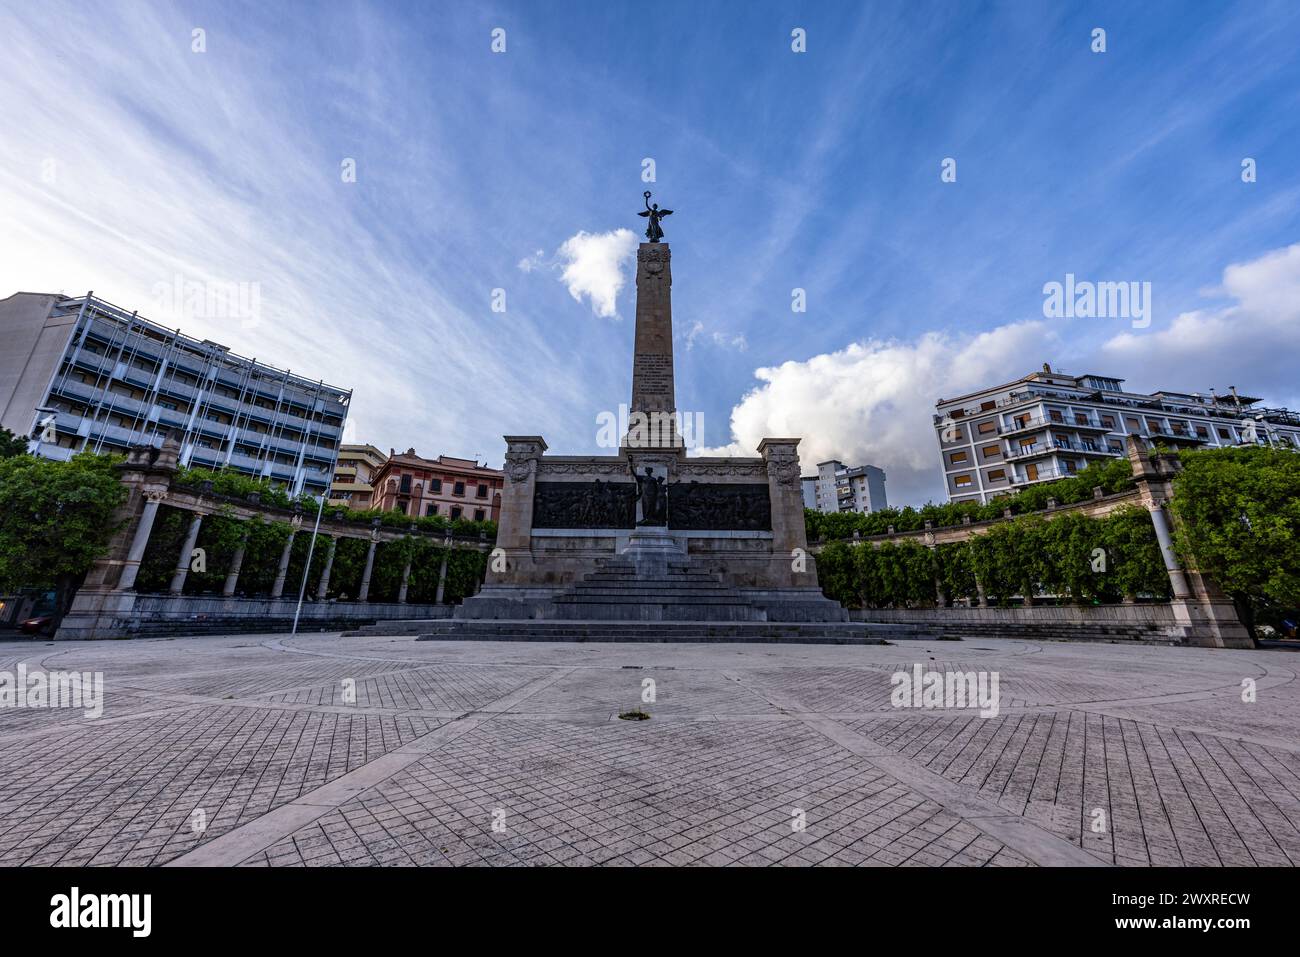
{"points": [[871, 403], [593, 267], [1251, 343]]}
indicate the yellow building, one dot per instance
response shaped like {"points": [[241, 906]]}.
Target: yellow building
{"points": [[353, 474]]}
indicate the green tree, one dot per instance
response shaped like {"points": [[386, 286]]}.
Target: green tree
{"points": [[1238, 512], [56, 519], [11, 445]]}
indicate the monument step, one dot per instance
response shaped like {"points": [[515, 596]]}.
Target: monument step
{"points": [[683, 631]]}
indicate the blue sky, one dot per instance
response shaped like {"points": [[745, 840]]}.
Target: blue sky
{"points": [[129, 160]]}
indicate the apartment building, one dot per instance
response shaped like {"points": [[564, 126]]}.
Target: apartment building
{"points": [[840, 488], [451, 487], [354, 474], [1049, 425], [78, 373]]}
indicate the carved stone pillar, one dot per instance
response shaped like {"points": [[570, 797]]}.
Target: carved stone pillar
{"points": [[788, 531], [515, 531]]}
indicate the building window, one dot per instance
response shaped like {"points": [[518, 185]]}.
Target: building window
{"points": [[1056, 416], [455, 511], [401, 507], [431, 509], [1080, 419], [987, 405], [458, 488], [1202, 432], [991, 451], [1134, 425], [1225, 434], [998, 475], [1108, 421], [482, 491], [961, 481], [1031, 473], [958, 457], [435, 486], [988, 428], [404, 485], [478, 515]]}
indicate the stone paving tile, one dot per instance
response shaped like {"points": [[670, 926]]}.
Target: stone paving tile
{"points": [[126, 794], [1126, 791], [624, 794], [440, 688], [1157, 738]]}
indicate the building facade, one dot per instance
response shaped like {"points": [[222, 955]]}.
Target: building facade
{"points": [[839, 488], [354, 474], [1049, 425], [446, 486], [80, 374]]}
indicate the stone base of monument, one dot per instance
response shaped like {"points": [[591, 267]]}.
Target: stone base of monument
{"points": [[649, 549]]}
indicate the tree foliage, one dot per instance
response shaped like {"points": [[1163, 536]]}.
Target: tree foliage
{"points": [[1026, 556], [1238, 520], [56, 519]]}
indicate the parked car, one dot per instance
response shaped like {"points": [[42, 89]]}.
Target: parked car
{"points": [[40, 625]]}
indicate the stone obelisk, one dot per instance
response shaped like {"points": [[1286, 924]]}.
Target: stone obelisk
{"points": [[652, 419]]}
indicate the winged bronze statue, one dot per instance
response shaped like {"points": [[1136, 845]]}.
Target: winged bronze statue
{"points": [[654, 232]]}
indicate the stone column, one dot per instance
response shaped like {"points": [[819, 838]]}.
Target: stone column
{"points": [[186, 555], [236, 563], [364, 594], [140, 541], [324, 585], [442, 574], [1177, 580], [983, 599], [788, 530], [282, 572], [406, 578], [515, 531]]}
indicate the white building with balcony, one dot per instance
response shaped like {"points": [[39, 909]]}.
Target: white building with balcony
{"points": [[839, 488], [81, 374], [1050, 425]]}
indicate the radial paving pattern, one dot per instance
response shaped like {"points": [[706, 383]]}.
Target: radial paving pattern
{"points": [[326, 750]]}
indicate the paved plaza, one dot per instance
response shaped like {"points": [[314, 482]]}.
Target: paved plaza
{"points": [[322, 750]]}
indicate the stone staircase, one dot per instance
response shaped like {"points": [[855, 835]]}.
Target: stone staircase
{"points": [[665, 601], [618, 591], [698, 632]]}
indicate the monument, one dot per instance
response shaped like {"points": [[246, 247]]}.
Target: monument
{"points": [[650, 534]]}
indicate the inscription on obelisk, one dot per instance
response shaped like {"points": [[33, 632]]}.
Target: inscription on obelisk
{"points": [[652, 363]]}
